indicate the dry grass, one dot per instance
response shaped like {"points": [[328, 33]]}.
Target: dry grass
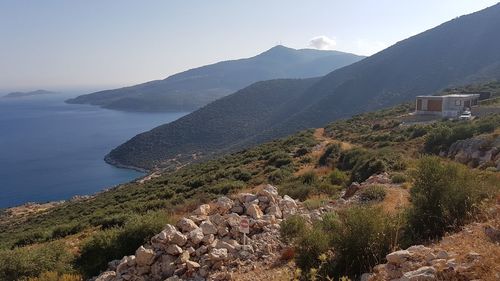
{"points": [[473, 239]]}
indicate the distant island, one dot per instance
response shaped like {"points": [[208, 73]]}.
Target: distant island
{"points": [[28, 94]]}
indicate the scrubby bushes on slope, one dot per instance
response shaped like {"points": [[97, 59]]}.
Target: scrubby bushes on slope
{"points": [[359, 237]]}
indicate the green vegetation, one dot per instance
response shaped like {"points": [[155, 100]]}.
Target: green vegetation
{"points": [[32, 261], [373, 193], [114, 243], [360, 238], [114, 223], [444, 197]]}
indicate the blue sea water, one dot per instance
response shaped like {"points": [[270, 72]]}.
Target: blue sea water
{"points": [[50, 150]]}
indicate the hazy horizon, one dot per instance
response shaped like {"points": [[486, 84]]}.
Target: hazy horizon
{"points": [[95, 45]]}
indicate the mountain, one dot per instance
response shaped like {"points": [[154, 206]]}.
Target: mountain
{"points": [[28, 94], [192, 89], [458, 52]]}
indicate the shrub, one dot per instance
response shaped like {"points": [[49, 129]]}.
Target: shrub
{"points": [[308, 178], [296, 190], [278, 176], [330, 156], [109, 222], [443, 196], [398, 178], [373, 192], [31, 238], [337, 177], [25, 262], [66, 230], [292, 227], [360, 238], [279, 159], [115, 243]]}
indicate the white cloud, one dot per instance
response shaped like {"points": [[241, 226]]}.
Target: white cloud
{"points": [[322, 43]]}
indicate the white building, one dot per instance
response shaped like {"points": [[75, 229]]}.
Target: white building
{"points": [[446, 106]]}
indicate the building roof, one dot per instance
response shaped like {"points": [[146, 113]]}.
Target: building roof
{"points": [[452, 96]]}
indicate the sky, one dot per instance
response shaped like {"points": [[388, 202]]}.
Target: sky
{"points": [[97, 44]]}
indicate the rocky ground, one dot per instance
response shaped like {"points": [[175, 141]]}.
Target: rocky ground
{"points": [[471, 254], [208, 244]]}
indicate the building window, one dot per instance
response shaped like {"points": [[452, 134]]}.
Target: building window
{"points": [[458, 102]]}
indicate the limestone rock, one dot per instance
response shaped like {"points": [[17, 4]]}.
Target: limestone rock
{"points": [[254, 211], [106, 276], [178, 238], [208, 227], [224, 204], [174, 250], [186, 225], [144, 256], [218, 254], [196, 236], [398, 257], [426, 273], [202, 210]]}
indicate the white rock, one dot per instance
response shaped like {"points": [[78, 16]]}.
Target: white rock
{"points": [[208, 227], [246, 197], [202, 210], [218, 254], [144, 256], [208, 239], [196, 236], [254, 211], [186, 225], [426, 273], [224, 204], [398, 257], [106, 276], [192, 266], [174, 250], [275, 211], [178, 238]]}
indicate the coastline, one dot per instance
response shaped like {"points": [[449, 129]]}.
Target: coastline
{"points": [[117, 164]]}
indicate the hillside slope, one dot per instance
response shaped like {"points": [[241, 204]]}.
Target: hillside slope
{"points": [[192, 89], [458, 52]]}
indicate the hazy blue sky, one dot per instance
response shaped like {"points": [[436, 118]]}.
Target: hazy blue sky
{"points": [[57, 44]]}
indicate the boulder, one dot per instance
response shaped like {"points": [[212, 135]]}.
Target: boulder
{"points": [[144, 256], [174, 250], [246, 197], [202, 210], [218, 254], [275, 211], [224, 204], [192, 266], [208, 227], [208, 239], [232, 219], [186, 225], [398, 257], [106, 276], [425, 273], [254, 211], [196, 236], [178, 238]]}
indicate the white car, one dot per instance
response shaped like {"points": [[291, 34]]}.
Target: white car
{"points": [[466, 115]]}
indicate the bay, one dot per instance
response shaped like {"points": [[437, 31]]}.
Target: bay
{"points": [[50, 150]]}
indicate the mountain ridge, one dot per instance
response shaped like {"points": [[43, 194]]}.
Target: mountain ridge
{"points": [[196, 87], [451, 54]]}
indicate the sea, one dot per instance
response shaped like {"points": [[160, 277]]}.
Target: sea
{"points": [[51, 151]]}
